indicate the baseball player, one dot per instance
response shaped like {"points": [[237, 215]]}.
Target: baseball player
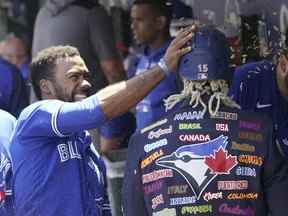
{"points": [[56, 170], [263, 87]]}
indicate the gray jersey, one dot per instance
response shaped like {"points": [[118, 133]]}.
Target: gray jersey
{"points": [[87, 27]]}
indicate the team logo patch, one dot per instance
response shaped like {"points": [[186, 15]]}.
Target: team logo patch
{"points": [[195, 115], [165, 212], [151, 146], [176, 201], [194, 137], [211, 196], [245, 171], [159, 132], [225, 115], [156, 175], [235, 210], [177, 189], [232, 185], [154, 125], [257, 137], [242, 196], [196, 210], [222, 127], [151, 188], [200, 163], [249, 125], [189, 126], [68, 151], [242, 147], [251, 159], [157, 201], [148, 160]]}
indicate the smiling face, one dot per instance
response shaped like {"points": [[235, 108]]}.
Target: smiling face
{"points": [[71, 79]]}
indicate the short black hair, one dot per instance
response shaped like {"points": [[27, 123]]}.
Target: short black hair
{"points": [[43, 64], [161, 7]]}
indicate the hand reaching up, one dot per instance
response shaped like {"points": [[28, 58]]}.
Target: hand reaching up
{"points": [[178, 48]]}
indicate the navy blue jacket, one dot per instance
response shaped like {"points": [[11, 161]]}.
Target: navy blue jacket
{"points": [[190, 164]]}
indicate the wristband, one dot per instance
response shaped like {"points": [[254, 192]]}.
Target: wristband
{"points": [[162, 64]]}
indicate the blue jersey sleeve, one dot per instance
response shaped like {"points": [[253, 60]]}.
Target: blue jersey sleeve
{"points": [[245, 85], [57, 118], [122, 126], [252, 85]]}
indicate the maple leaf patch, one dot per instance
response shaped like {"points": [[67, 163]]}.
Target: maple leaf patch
{"points": [[220, 162]]}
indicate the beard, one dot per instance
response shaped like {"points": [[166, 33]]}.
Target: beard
{"points": [[61, 95], [77, 94]]}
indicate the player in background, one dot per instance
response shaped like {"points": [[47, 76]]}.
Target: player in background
{"points": [[150, 22], [263, 87]]}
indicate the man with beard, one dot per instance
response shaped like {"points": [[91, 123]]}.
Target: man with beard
{"points": [[91, 32], [56, 169], [263, 87]]}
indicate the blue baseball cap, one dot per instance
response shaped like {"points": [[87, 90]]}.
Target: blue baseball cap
{"points": [[209, 57]]}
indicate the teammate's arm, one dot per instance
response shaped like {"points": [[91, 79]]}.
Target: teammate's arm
{"points": [[120, 97]]}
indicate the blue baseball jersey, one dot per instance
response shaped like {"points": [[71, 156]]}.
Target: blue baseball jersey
{"points": [[122, 126], [13, 91], [194, 164], [25, 71], [57, 171], [151, 108], [255, 88], [7, 123]]}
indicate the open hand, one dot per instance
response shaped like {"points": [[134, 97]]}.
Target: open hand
{"points": [[178, 47]]}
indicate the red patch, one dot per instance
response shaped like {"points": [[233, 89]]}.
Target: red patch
{"points": [[2, 196], [220, 163]]}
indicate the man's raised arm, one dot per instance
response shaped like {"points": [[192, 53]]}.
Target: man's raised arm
{"points": [[120, 97]]}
